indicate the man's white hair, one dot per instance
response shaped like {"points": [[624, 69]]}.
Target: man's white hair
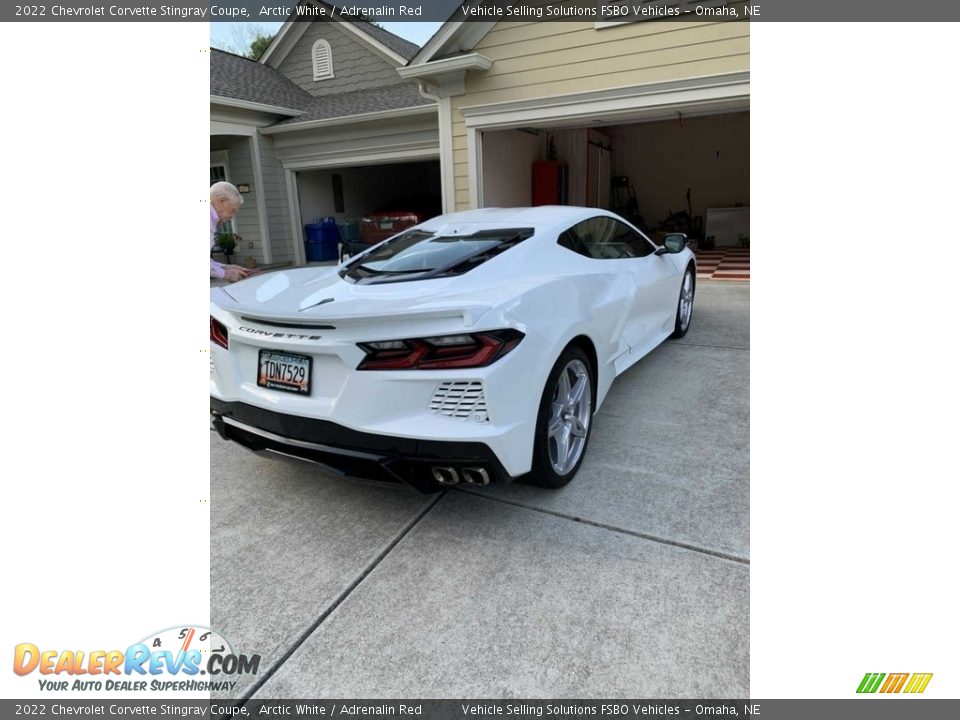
{"points": [[226, 191]]}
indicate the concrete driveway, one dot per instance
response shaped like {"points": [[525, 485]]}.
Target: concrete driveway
{"points": [[633, 581]]}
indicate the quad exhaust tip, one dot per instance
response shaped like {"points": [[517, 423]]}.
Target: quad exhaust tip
{"points": [[446, 475], [476, 476]]}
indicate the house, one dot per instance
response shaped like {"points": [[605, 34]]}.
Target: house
{"points": [[323, 125], [648, 118]]}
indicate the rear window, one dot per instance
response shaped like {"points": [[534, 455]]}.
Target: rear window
{"points": [[418, 255]]}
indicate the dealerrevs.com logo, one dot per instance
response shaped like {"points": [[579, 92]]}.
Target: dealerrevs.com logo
{"points": [[186, 658], [894, 683]]}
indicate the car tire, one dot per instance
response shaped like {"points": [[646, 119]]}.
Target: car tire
{"points": [[564, 421], [685, 304]]}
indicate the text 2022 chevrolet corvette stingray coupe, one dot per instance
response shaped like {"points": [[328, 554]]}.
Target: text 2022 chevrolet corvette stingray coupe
{"points": [[472, 348]]}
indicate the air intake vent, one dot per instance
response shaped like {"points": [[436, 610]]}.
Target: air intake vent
{"points": [[462, 399]]}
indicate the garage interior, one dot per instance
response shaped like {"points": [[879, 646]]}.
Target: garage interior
{"points": [[351, 193], [686, 173]]}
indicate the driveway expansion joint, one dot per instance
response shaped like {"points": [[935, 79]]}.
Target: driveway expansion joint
{"points": [[719, 554], [715, 347], [371, 566]]}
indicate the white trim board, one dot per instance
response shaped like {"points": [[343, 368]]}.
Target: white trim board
{"points": [[293, 210], [606, 107], [448, 189], [454, 36], [461, 63], [222, 128], [375, 45], [445, 129], [249, 105], [261, 192], [351, 119], [354, 158]]}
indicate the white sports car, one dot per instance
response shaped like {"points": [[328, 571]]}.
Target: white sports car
{"points": [[473, 348]]}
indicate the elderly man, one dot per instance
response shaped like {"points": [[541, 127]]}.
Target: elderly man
{"points": [[225, 200]]}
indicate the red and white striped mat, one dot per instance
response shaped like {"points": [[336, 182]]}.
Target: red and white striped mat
{"points": [[724, 264]]}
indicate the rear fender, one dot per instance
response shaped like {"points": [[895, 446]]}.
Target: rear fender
{"points": [[565, 308]]}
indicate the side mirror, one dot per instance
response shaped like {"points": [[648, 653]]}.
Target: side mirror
{"points": [[675, 242]]}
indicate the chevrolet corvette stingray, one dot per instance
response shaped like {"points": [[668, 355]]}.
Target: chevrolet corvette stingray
{"points": [[472, 348]]}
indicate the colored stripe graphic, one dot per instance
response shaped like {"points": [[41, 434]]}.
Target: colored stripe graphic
{"points": [[870, 682], [894, 682], [918, 683]]}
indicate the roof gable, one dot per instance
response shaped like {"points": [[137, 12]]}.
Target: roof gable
{"points": [[453, 37], [353, 65], [390, 47]]}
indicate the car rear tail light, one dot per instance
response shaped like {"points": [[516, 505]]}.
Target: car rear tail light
{"points": [[218, 333], [470, 350]]}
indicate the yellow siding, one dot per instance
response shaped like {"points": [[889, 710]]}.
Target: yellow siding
{"points": [[534, 60], [582, 33], [628, 68], [568, 48]]}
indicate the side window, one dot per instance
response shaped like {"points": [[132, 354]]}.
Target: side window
{"points": [[604, 238], [571, 242], [625, 237]]}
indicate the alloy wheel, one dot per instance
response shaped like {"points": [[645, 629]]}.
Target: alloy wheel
{"points": [[570, 413], [686, 301]]}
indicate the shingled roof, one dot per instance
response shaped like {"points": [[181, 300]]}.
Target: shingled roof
{"points": [[240, 78], [358, 102], [403, 48]]}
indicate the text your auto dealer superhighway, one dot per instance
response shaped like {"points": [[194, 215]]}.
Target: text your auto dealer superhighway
{"points": [[147, 11]]}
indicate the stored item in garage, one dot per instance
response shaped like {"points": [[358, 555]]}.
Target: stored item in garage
{"points": [[378, 226], [322, 240]]}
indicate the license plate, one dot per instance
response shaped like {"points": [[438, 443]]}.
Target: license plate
{"points": [[284, 371], [386, 224]]}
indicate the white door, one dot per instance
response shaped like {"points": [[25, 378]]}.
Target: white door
{"points": [[653, 277]]}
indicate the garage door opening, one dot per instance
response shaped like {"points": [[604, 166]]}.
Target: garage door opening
{"points": [[687, 174], [349, 194]]}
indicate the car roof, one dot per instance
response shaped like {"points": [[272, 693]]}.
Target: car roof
{"points": [[542, 216]]}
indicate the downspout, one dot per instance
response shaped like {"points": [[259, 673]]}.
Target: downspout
{"points": [[445, 131]]}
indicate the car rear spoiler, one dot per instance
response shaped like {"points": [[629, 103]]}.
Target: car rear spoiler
{"points": [[350, 312]]}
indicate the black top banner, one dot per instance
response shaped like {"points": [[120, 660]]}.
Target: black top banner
{"points": [[601, 11], [559, 709]]}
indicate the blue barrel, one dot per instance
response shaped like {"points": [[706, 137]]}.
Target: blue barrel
{"points": [[329, 239], [312, 242], [322, 240]]}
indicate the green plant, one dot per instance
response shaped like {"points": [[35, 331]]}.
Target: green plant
{"points": [[227, 241]]}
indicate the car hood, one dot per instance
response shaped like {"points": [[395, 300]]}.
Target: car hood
{"points": [[311, 295]]}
